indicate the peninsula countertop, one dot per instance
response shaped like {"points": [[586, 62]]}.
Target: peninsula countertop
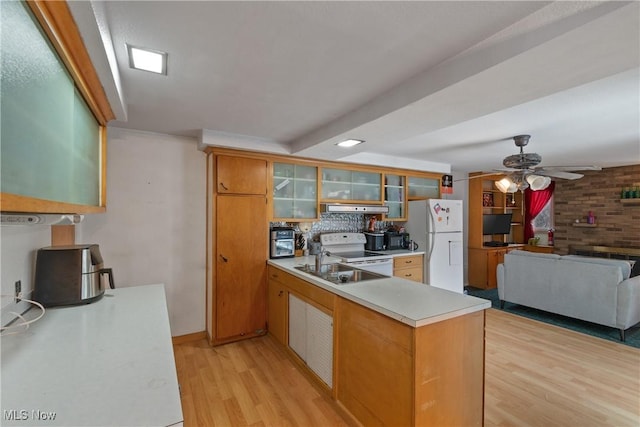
{"points": [[108, 363], [411, 303]]}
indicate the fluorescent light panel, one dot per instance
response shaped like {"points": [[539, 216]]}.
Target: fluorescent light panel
{"points": [[147, 59], [349, 143]]}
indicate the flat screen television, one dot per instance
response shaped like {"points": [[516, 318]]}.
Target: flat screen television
{"points": [[496, 224]]}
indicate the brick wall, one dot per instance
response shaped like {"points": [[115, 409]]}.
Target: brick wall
{"points": [[597, 191]]}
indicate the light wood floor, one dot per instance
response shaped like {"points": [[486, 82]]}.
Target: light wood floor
{"points": [[536, 375]]}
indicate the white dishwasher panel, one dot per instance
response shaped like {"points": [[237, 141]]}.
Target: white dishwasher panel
{"points": [[320, 344], [298, 326]]}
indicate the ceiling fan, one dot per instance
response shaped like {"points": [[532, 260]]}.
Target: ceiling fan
{"points": [[523, 171]]}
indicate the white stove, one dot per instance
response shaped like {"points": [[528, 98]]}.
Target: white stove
{"points": [[350, 248]]}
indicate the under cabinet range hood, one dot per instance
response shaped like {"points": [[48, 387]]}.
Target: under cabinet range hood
{"points": [[355, 208], [40, 219]]}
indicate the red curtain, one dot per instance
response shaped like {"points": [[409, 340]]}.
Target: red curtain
{"points": [[535, 201]]}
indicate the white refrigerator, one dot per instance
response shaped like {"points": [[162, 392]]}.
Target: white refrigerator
{"points": [[436, 226]]}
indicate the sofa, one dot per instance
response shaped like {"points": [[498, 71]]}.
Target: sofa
{"points": [[596, 290]]}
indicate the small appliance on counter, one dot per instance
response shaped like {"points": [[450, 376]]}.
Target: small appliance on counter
{"points": [[70, 275], [282, 242], [375, 241], [396, 240]]}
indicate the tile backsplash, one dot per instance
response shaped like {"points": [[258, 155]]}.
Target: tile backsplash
{"points": [[337, 222]]}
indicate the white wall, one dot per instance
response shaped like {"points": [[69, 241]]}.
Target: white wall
{"points": [[18, 246], [154, 227]]}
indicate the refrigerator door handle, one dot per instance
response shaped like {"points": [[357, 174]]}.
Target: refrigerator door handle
{"points": [[432, 235]]}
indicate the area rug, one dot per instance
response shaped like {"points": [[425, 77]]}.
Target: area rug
{"points": [[632, 335]]}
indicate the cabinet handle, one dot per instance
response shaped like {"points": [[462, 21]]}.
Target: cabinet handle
{"points": [[408, 275], [223, 186], [224, 258], [408, 262], [280, 293]]}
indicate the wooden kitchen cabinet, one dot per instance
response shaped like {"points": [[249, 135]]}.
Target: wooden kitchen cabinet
{"points": [[410, 267], [241, 247], [342, 185], [241, 175], [277, 307], [483, 263], [301, 317], [389, 373], [423, 188], [295, 190], [395, 197]]}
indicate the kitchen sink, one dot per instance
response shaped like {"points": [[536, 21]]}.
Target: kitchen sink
{"points": [[340, 274]]}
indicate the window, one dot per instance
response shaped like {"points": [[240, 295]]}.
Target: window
{"points": [[543, 222]]}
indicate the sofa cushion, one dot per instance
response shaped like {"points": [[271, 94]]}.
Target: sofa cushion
{"points": [[625, 267], [586, 291], [528, 278]]}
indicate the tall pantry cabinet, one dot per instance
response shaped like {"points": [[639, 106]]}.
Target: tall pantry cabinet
{"points": [[237, 247]]}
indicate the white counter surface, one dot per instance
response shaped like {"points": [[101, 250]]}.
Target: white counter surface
{"points": [[412, 303], [108, 363]]}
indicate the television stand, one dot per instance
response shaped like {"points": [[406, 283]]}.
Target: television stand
{"points": [[495, 244]]}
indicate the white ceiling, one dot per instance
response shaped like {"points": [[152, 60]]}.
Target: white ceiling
{"points": [[427, 84]]}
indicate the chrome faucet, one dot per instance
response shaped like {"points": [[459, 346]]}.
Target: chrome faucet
{"points": [[320, 258]]}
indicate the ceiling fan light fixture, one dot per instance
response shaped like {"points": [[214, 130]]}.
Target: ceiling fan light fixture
{"points": [[506, 185], [537, 182]]}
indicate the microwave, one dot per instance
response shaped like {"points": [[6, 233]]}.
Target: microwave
{"points": [[393, 240]]}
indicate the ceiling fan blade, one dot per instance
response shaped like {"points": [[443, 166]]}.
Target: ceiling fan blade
{"points": [[569, 168], [558, 174]]}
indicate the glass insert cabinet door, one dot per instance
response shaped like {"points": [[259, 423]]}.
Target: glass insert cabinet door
{"points": [[343, 184], [295, 191], [424, 188], [394, 196]]}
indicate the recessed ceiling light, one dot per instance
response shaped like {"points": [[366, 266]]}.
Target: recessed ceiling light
{"points": [[147, 60], [349, 143]]}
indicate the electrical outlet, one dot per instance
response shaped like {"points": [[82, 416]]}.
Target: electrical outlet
{"points": [[18, 285]]}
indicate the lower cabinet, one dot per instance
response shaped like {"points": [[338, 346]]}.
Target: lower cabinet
{"points": [[311, 337], [410, 267], [483, 263], [386, 372], [277, 308]]}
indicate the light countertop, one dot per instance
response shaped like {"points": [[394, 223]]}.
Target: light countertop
{"points": [[412, 303], [108, 363]]}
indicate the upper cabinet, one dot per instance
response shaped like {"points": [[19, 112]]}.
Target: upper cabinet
{"points": [[295, 191], [343, 185], [53, 112], [241, 175], [423, 188], [395, 197]]}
